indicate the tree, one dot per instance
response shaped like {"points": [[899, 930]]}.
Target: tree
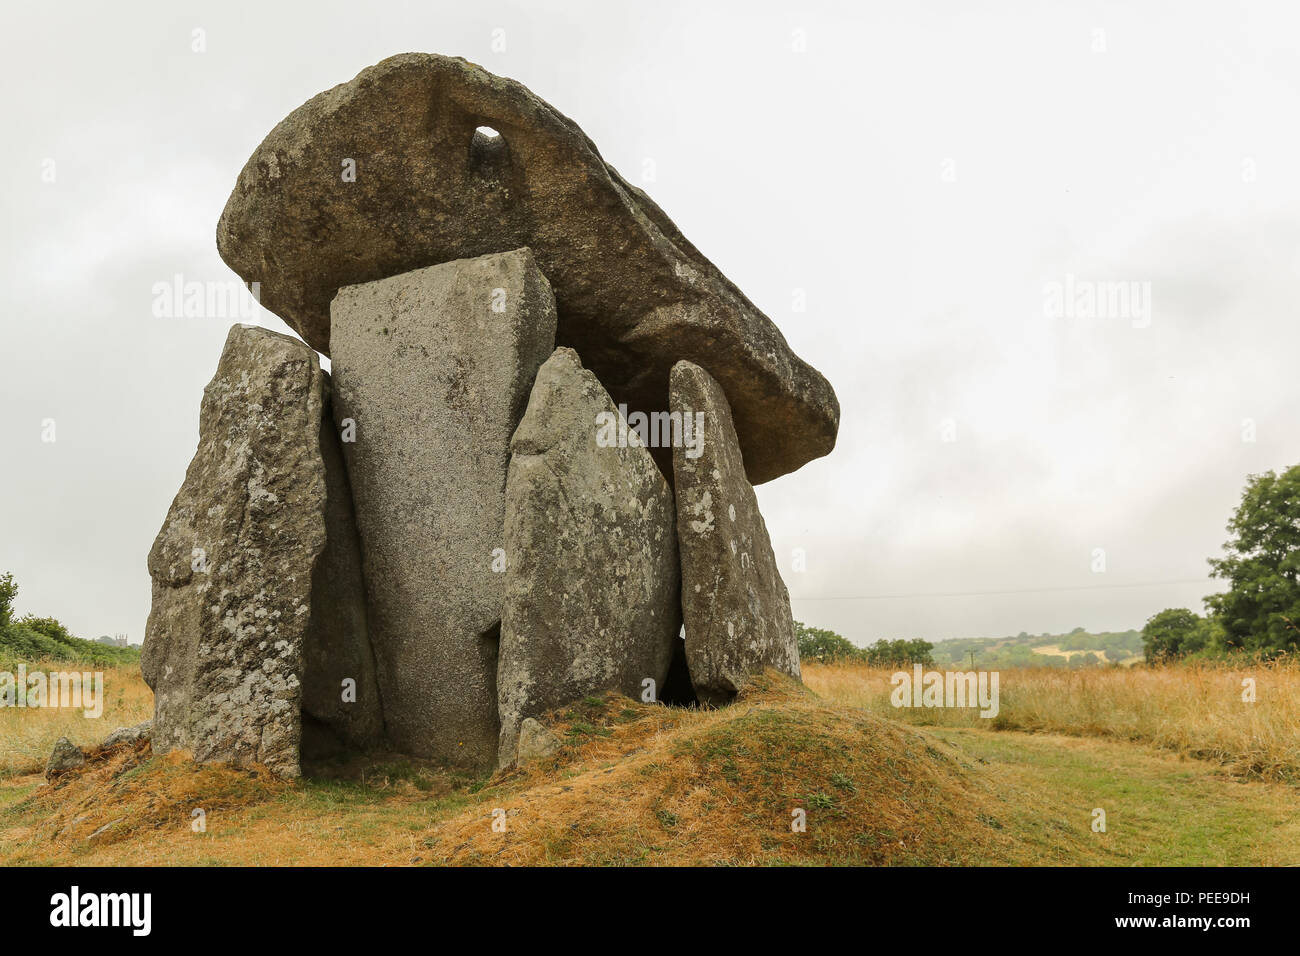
{"points": [[1261, 609], [8, 591], [1170, 633], [900, 653], [816, 643]]}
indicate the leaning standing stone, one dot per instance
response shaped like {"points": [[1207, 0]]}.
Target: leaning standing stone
{"points": [[735, 605], [234, 564], [592, 586], [432, 370]]}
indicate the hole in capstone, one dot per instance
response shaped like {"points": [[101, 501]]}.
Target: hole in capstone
{"points": [[487, 150]]}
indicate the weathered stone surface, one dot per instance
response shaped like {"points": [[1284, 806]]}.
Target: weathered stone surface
{"points": [[435, 380], [129, 735], [336, 718], [633, 294], [591, 598], [234, 565], [535, 741], [65, 756], [735, 605]]}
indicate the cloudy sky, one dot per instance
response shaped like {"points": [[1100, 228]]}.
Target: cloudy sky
{"points": [[942, 187]]}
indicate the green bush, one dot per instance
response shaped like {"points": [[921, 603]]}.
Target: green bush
{"points": [[19, 643], [1177, 633], [900, 653], [47, 626], [816, 643], [33, 638], [819, 644]]}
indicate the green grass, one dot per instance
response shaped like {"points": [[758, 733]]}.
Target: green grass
{"points": [[1160, 810]]}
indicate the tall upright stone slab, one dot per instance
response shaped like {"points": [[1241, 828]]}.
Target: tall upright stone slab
{"points": [[735, 605], [340, 692], [591, 599], [432, 370], [236, 567]]}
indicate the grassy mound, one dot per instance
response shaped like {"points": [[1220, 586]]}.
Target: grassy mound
{"points": [[124, 792], [638, 784]]}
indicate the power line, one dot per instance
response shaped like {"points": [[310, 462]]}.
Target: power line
{"points": [[948, 594]]}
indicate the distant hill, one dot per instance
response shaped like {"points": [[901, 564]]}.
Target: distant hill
{"points": [[1078, 648]]}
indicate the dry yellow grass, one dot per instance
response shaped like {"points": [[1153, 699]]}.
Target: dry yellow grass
{"points": [[1192, 710], [649, 785], [27, 735], [724, 788], [122, 792], [633, 784]]}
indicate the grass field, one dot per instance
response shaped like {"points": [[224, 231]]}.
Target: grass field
{"points": [[1195, 711], [643, 784], [27, 735]]}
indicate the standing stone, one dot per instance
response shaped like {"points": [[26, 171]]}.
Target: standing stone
{"points": [[432, 369], [340, 691], [235, 563], [592, 587], [735, 605]]}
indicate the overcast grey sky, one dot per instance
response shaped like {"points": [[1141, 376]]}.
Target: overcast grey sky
{"points": [[922, 175]]}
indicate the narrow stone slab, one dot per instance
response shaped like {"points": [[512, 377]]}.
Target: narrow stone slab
{"points": [[234, 566], [592, 583], [735, 605], [340, 691], [390, 172], [432, 371]]}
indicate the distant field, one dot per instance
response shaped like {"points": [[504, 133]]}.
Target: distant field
{"points": [[1051, 650], [1196, 711], [1078, 648]]}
